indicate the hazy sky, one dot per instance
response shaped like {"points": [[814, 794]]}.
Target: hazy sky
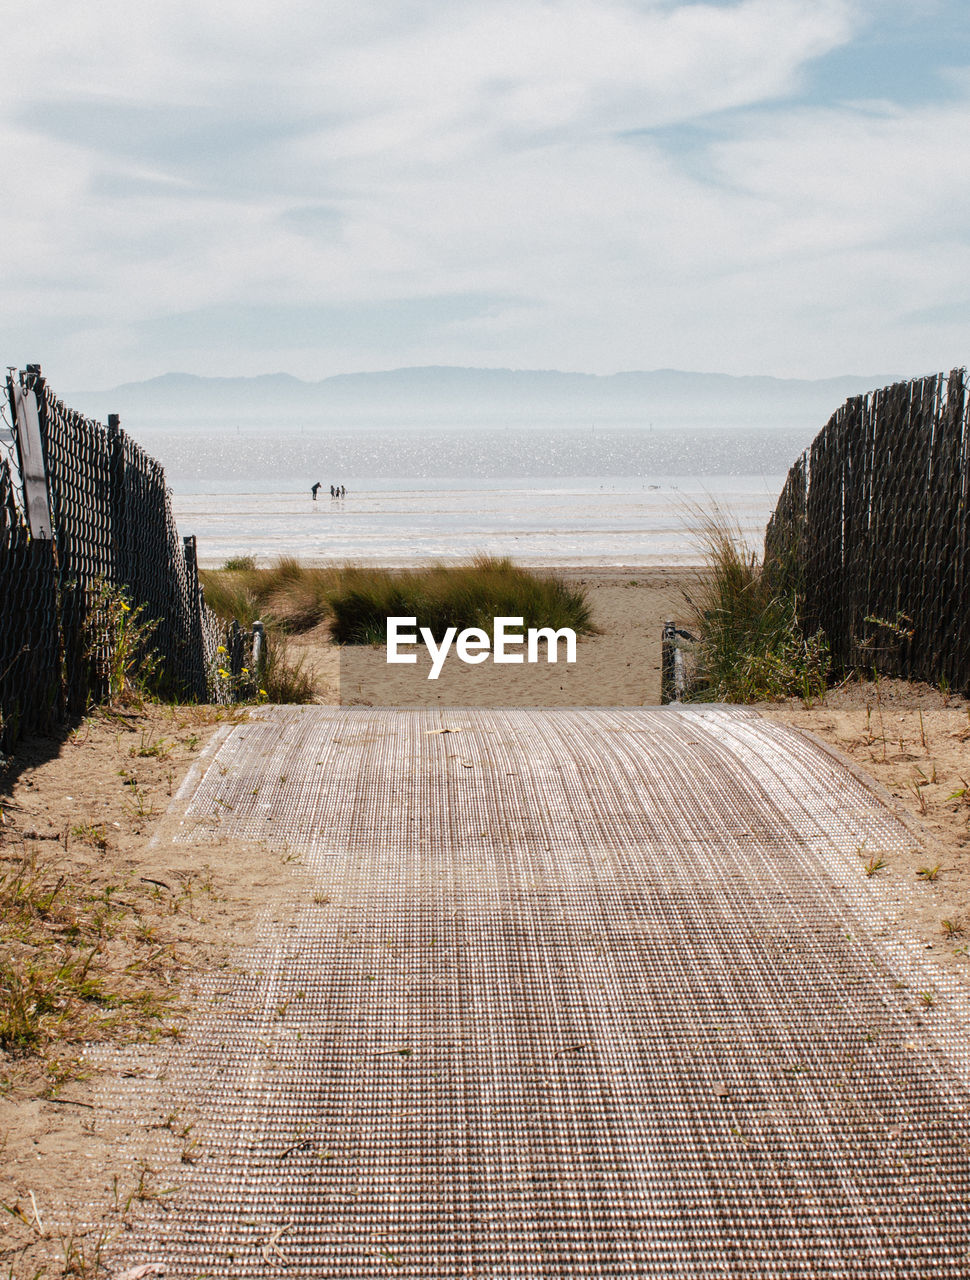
{"points": [[747, 186]]}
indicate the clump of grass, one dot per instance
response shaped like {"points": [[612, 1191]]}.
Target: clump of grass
{"points": [[296, 598], [92, 834], [288, 598], [67, 969], [751, 646], [291, 598], [237, 564], [285, 679], [232, 594], [116, 640], [441, 597], [288, 595]]}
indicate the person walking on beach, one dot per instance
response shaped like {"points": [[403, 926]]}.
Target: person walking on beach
{"points": [[314, 490], [333, 492]]}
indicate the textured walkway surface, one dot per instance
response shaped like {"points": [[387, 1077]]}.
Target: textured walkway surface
{"points": [[568, 993]]}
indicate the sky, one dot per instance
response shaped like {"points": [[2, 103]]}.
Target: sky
{"points": [[741, 186]]}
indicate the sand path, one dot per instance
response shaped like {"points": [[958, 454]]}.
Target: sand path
{"points": [[620, 666], [566, 993]]}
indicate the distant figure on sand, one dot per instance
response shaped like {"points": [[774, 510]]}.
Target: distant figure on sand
{"points": [[314, 490], [333, 492]]}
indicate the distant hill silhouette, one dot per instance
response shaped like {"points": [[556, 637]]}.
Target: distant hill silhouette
{"points": [[450, 396]]}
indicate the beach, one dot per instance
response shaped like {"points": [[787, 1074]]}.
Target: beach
{"points": [[563, 497]]}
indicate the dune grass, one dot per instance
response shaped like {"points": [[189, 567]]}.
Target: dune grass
{"points": [[295, 598], [288, 595], [286, 679], [751, 646], [465, 596]]}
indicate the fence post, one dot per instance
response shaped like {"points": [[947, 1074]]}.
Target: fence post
{"points": [[668, 647], [235, 645], [259, 650], [118, 548], [673, 676], [191, 561], [45, 651], [196, 603], [30, 452]]}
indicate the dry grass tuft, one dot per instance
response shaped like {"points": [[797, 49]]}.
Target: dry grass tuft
{"points": [[78, 962], [750, 647]]}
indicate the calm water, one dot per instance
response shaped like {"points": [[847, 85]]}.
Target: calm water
{"points": [[596, 497]]}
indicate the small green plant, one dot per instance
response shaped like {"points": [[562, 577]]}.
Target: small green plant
{"points": [[929, 873], [880, 648], [89, 833], [901, 627], [874, 865], [916, 786], [117, 645], [143, 1191], [139, 805], [951, 928], [240, 564], [84, 1258], [150, 747]]}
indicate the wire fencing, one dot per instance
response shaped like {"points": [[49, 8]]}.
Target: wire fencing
{"points": [[87, 538], [871, 531]]}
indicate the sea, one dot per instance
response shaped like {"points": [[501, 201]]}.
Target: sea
{"points": [[589, 497]]}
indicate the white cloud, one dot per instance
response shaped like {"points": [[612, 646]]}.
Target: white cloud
{"points": [[198, 156]]}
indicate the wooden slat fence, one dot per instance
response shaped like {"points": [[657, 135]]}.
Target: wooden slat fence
{"points": [[99, 516], [871, 531]]}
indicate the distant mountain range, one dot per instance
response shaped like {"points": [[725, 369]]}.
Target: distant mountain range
{"points": [[447, 396]]}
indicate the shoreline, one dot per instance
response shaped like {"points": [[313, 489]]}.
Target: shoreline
{"points": [[596, 525], [656, 565]]}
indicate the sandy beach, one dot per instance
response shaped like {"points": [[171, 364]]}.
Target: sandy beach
{"points": [[620, 666]]}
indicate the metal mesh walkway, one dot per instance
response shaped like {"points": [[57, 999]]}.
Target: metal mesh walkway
{"points": [[568, 993]]}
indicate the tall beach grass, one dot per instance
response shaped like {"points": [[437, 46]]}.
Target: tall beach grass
{"points": [[751, 646], [358, 601], [464, 596]]}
